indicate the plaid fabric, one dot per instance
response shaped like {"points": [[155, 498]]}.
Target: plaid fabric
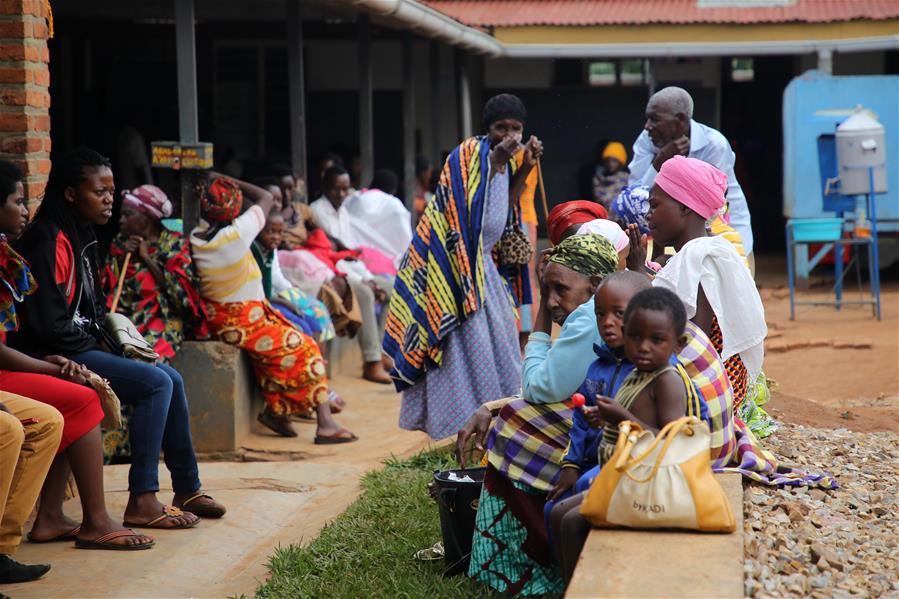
{"points": [[527, 442], [703, 365]]}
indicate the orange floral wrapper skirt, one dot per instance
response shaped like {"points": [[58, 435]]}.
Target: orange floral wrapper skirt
{"points": [[288, 363]]}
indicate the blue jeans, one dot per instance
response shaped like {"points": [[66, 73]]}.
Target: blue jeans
{"points": [[160, 420]]}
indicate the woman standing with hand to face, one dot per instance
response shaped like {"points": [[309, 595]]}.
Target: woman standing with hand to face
{"points": [[451, 328]]}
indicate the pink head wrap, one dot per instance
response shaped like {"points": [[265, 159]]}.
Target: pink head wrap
{"points": [[608, 229], [150, 200], [696, 184]]}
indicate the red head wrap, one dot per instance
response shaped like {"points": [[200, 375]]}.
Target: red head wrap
{"points": [[150, 200], [222, 201], [566, 215]]}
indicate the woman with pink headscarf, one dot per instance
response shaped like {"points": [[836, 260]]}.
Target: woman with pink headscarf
{"points": [[160, 294], [707, 273]]}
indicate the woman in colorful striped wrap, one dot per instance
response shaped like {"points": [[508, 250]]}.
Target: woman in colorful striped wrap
{"points": [[451, 324]]}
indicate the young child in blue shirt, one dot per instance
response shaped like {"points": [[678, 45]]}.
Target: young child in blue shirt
{"points": [[604, 377]]}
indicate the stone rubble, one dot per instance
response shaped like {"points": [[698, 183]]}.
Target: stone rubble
{"points": [[802, 542]]}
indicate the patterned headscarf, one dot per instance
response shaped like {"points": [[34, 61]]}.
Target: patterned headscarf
{"points": [[589, 255], [631, 207], [221, 201], [150, 200], [16, 282]]}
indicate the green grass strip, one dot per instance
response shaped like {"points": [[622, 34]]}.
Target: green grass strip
{"points": [[367, 551]]}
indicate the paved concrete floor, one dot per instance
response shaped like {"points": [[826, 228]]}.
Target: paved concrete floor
{"points": [[270, 503]]}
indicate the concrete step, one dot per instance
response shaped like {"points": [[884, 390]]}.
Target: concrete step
{"points": [[644, 563]]}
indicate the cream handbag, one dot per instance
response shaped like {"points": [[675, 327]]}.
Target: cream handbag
{"points": [[660, 482]]}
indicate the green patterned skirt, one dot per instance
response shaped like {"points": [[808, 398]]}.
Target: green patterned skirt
{"points": [[510, 549]]}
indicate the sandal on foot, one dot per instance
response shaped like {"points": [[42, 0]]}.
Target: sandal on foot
{"points": [[105, 542], [204, 510], [69, 536], [168, 513], [276, 425], [341, 436]]}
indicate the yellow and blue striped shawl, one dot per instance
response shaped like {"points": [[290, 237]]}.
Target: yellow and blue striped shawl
{"points": [[440, 282]]}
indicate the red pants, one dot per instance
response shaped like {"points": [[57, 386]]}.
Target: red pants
{"points": [[79, 406]]}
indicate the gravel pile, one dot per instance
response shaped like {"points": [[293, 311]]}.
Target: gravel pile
{"points": [[810, 542]]}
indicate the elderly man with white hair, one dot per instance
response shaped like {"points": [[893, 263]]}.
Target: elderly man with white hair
{"points": [[670, 131]]}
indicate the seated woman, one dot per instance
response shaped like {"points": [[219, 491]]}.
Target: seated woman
{"points": [[510, 509], [707, 273], [288, 364], [58, 382], [161, 290], [65, 315]]}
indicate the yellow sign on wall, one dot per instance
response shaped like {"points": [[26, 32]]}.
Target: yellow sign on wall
{"points": [[175, 155]]}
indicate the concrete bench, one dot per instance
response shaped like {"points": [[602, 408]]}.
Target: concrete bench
{"points": [[639, 563], [222, 391], [222, 394]]}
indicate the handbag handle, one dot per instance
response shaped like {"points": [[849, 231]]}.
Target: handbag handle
{"points": [[118, 290], [668, 433]]}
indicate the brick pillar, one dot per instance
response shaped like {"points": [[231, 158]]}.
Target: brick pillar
{"points": [[24, 92]]}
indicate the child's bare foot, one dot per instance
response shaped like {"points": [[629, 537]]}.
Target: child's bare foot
{"points": [[109, 535]]}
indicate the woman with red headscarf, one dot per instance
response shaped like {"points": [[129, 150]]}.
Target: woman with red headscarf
{"points": [[288, 363]]}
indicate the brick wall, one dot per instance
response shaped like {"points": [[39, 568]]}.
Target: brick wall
{"points": [[25, 93]]}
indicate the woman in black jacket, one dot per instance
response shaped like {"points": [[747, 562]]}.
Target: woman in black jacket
{"points": [[65, 317]]}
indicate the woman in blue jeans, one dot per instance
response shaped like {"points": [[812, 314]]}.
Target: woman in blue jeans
{"points": [[65, 316]]}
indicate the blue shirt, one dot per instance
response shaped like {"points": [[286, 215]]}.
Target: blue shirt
{"points": [[553, 371]]}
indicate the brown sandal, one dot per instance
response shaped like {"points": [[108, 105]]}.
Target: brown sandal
{"points": [[104, 542], [168, 513], [203, 510]]}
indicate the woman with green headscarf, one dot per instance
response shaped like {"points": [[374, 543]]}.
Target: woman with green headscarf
{"points": [[510, 551]]}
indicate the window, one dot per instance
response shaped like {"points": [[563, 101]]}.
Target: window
{"points": [[742, 69], [633, 71], [601, 74]]}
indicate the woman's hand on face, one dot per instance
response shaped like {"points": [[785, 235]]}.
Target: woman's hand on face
{"points": [[533, 151], [542, 261], [503, 152], [636, 259]]}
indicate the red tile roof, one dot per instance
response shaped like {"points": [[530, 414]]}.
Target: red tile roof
{"points": [[520, 13]]}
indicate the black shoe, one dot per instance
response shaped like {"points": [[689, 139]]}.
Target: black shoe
{"points": [[12, 571], [279, 425]]}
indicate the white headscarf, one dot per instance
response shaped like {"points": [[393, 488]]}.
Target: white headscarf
{"points": [[608, 229]]}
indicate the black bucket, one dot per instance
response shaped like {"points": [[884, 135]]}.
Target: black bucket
{"points": [[458, 504]]}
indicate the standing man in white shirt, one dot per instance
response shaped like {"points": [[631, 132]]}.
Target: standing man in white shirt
{"points": [[669, 131], [334, 219]]}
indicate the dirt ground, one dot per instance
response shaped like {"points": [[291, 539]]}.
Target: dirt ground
{"points": [[824, 381]]}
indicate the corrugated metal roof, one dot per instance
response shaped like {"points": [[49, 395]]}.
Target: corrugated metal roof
{"points": [[520, 13]]}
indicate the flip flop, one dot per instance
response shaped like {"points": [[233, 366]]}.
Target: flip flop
{"points": [[69, 536], [168, 513], [431, 554], [338, 437], [104, 542], [204, 510]]}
